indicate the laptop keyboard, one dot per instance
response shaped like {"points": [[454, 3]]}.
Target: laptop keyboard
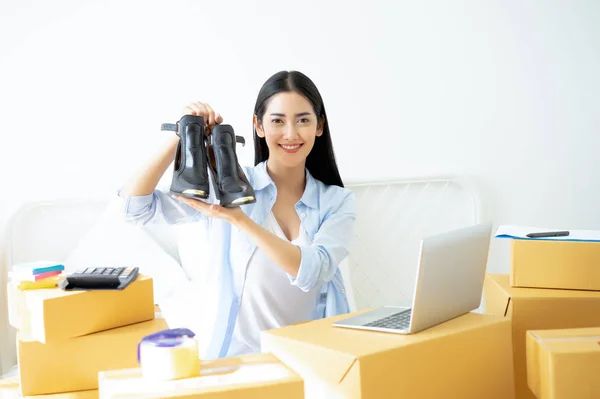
{"points": [[397, 321]]}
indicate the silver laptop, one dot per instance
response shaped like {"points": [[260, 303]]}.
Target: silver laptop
{"points": [[449, 283]]}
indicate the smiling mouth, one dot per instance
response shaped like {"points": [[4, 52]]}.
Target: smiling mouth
{"points": [[290, 148]]}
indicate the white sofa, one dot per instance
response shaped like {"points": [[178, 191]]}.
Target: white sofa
{"points": [[392, 219]]}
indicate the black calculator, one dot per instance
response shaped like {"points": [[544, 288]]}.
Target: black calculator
{"points": [[100, 278]]}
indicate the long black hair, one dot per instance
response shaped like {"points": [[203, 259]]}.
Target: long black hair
{"points": [[321, 159]]}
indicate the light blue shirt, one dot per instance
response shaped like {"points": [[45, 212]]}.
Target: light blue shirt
{"points": [[327, 213]]}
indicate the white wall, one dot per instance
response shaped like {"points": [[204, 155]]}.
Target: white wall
{"points": [[505, 92]]}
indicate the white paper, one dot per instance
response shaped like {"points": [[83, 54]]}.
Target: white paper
{"points": [[520, 232]]}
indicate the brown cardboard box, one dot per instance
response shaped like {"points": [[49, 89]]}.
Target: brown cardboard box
{"points": [[9, 389], [73, 364], [51, 314], [564, 364], [537, 309], [467, 357], [555, 264], [260, 376]]}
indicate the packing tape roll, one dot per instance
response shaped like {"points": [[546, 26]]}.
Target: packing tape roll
{"points": [[169, 355]]}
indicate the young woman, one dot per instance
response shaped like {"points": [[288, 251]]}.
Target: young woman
{"points": [[278, 258]]}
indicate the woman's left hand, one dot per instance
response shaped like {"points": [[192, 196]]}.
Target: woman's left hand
{"points": [[232, 215]]}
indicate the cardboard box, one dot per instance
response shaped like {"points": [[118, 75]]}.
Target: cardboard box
{"points": [[260, 376], [467, 357], [555, 264], [73, 364], [564, 364], [537, 309], [9, 389], [51, 314]]}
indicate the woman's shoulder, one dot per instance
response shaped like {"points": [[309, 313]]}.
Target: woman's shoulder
{"points": [[252, 173], [248, 170], [332, 196]]}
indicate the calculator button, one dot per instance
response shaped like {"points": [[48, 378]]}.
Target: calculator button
{"points": [[116, 272], [89, 270], [108, 270]]}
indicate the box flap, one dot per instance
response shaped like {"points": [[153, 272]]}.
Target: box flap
{"points": [[533, 363], [353, 367], [566, 333], [576, 340], [296, 353], [497, 297], [153, 325], [501, 282]]}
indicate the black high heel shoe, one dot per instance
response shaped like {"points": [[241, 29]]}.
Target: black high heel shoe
{"points": [[230, 183], [190, 173]]}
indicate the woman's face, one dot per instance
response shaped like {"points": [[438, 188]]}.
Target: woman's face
{"points": [[289, 127]]}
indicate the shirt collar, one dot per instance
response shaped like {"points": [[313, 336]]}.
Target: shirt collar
{"points": [[261, 177], [311, 192]]}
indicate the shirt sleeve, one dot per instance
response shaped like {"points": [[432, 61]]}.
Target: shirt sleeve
{"points": [[331, 244], [158, 207]]}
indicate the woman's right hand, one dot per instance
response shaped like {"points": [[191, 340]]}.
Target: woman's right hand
{"points": [[204, 110]]}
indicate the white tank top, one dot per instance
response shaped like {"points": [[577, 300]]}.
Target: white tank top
{"points": [[268, 298]]}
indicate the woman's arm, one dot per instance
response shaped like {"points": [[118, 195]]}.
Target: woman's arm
{"points": [[282, 252], [307, 266], [142, 203], [331, 244], [285, 254], [144, 181]]}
